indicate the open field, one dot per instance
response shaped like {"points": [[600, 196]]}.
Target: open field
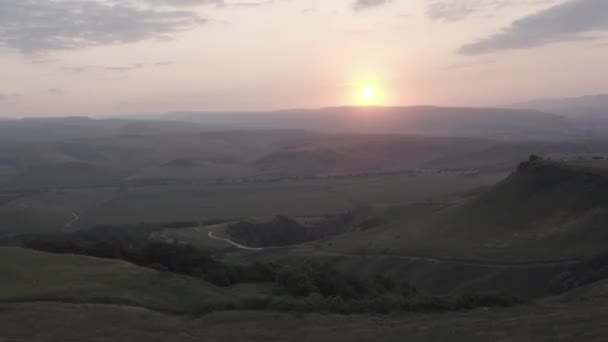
{"points": [[50, 211]]}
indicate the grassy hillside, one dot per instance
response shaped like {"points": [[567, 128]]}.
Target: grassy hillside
{"points": [[577, 321], [19, 220], [311, 197], [545, 210], [30, 276]]}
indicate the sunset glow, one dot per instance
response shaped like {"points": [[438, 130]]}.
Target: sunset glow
{"points": [[357, 53], [370, 95]]}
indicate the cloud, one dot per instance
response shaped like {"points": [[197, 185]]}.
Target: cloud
{"points": [[76, 68], [40, 25], [218, 3], [126, 68], [456, 10], [121, 68], [43, 61], [164, 63], [450, 10], [363, 4], [571, 21], [186, 2]]}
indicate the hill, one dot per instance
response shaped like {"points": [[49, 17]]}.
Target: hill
{"points": [[30, 276], [546, 210], [79, 152], [591, 107], [577, 320]]}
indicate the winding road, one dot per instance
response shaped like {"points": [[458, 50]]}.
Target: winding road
{"points": [[237, 245], [75, 219], [247, 248]]}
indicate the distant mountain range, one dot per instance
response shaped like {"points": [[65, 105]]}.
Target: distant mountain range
{"points": [[591, 107], [496, 123]]}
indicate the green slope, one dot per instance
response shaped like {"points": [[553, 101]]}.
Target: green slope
{"points": [[29, 276], [545, 211], [540, 322]]}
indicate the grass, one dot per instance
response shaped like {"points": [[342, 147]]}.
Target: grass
{"points": [[301, 198], [550, 211], [49, 211], [34, 276], [434, 278], [198, 237], [29, 220], [538, 322]]}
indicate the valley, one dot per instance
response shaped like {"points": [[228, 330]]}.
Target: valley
{"points": [[380, 235]]}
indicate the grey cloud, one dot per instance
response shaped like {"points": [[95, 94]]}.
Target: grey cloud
{"points": [[218, 3], [38, 25], [126, 68], [363, 4], [186, 2], [249, 4], [450, 10], [455, 10], [43, 61], [122, 68], [76, 69], [570, 21]]}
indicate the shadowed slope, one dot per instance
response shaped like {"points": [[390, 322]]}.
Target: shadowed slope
{"points": [[545, 211]]}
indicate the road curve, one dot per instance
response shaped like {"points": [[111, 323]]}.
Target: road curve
{"points": [[75, 219], [237, 245]]}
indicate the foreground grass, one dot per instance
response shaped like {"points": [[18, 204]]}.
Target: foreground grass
{"points": [[33, 276], [67, 322]]}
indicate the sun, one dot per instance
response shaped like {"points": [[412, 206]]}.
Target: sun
{"points": [[369, 96]]}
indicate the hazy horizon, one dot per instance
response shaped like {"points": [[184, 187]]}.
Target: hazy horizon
{"points": [[124, 57]]}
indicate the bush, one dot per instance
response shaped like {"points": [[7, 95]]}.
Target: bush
{"points": [[581, 274], [133, 246], [310, 287], [284, 231], [467, 302]]}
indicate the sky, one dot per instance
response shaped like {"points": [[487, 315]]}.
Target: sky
{"points": [[112, 57]]}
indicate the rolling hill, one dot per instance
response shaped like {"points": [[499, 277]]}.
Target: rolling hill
{"points": [[572, 320], [31, 276], [591, 107], [80, 152], [545, 211]]}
